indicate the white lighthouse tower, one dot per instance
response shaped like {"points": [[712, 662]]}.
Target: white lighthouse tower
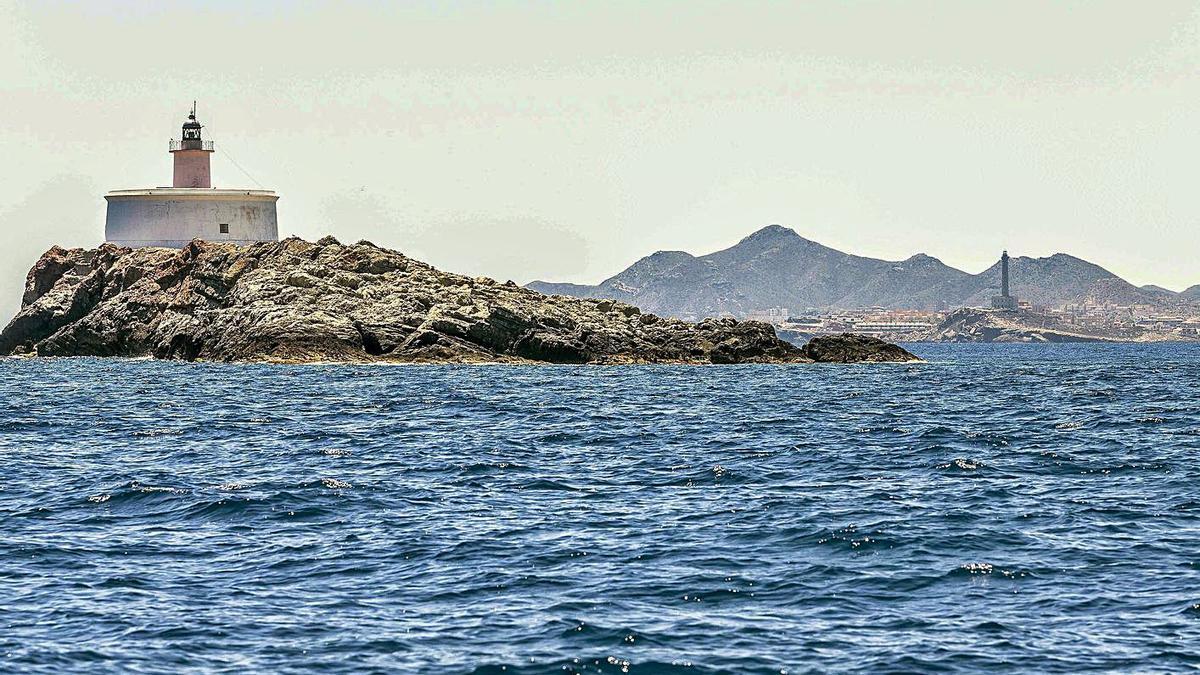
{"points": [[191, 208]]}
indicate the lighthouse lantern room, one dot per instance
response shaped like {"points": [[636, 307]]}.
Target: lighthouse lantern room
{"points": [[193, 168]]}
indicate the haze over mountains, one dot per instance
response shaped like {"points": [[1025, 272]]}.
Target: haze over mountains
{"points": [[776, 267]]}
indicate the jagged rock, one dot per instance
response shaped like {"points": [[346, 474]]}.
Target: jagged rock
{"points": [[849, 348], [299, 301]]}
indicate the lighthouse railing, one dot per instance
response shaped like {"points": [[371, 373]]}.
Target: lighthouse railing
{"points": [[191, 145]]}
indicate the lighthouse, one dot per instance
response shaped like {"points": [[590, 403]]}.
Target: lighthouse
{"points": [[191, 208], [193, 168], [1005, 301]]}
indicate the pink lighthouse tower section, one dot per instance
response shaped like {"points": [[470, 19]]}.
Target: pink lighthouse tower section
{"points": [[192, 156]]}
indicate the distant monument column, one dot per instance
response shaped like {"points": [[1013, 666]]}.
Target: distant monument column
{"points": [[192, 156], [1004, 274], [1004, 301]]}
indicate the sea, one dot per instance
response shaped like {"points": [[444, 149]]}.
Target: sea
{"points": [[1000, 508]]}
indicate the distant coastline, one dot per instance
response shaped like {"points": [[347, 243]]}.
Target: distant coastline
{"points": [[805, 288]]}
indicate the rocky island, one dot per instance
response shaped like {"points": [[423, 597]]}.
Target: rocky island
{"points": [[983, 325], [299, 301]]}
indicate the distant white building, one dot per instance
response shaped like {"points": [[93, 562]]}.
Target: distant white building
{"points": [[775, 315], [880, 327], [191, 208]]}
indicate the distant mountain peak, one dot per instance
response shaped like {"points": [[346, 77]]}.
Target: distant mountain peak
{"points": [[1066, 257], [659, 255], [771, 232], [923, 258]]}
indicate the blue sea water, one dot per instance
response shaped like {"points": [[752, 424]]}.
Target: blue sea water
{"points": [[1001, 508]]}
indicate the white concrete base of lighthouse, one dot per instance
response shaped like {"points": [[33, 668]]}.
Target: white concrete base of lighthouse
{"points": [[172, 217]]}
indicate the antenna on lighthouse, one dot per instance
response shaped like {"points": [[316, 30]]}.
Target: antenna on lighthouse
{"points": [[193, 115]]}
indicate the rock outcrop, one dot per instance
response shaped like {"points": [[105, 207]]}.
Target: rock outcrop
{"points": [[296, 301], [850, 348], [981, 325]]}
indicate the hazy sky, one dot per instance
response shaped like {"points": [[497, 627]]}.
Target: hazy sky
{"points": [[564, 140]]}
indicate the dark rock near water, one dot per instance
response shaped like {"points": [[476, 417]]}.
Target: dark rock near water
{"points": [[849, 348], [299, 301]]}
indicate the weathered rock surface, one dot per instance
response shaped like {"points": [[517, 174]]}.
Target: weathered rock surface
{"points": [[300, 301], [849, 348]]}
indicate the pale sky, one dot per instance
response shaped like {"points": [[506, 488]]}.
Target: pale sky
{"points": [[564, 140]]}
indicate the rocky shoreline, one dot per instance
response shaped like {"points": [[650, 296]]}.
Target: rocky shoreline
{"points": [[299, 301], [982, 325]]}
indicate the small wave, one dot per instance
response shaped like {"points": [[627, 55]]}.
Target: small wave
{"points": [[153, 433], [239, 505], [717, 595], [851, 537], [560, 437], [158, 488], [987, 438], [593, 666], [28, 425], [718, 474], [133, 492], [1125, 468], [987, 569], [885, 428], [936, 432], [961, 464], [124, 581], [547, 484], [487, 468], [604, 636]]}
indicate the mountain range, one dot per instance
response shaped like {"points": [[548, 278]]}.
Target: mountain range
{"points": [[776, 267]]}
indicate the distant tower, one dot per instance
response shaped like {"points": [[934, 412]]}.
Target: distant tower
{"points": [[1004, 274], [192, 156], [1004, 301]]}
